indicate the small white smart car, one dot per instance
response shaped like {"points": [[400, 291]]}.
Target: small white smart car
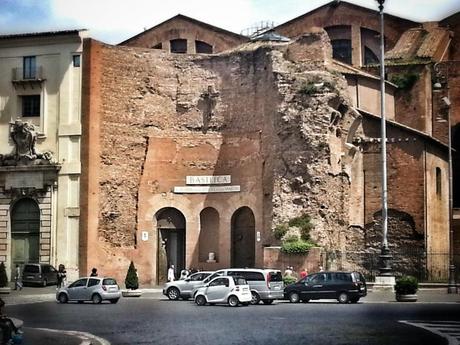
{"points": [[224, 289]]}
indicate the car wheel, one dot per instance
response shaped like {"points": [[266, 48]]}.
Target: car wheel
{"points": [[45, 283], [233, 301], [267, 301], [343, 298], [173, 294], [96, 299], [294, 297], [63, 298], [200, 300], [354, 300], [114, 300], [255, 298]]}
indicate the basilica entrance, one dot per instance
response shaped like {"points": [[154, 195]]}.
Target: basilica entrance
{"points": [[243, 238], [25, 230], [171, 242]]}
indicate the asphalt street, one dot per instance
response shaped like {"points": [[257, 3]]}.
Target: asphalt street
{"points": [[156, 320]]}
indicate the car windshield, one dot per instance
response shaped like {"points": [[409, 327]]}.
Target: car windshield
{"points": [[109, 281], [31, 269]]}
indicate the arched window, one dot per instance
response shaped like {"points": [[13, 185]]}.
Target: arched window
{"points": [[341, 50], [203, 47], [370, 57], [178, 46]]}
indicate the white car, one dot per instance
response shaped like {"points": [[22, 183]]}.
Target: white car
{"points": [[224, 289], [94, 289]]}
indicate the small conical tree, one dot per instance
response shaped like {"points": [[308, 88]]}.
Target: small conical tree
{"points": [[3, 276], [132, 281]]}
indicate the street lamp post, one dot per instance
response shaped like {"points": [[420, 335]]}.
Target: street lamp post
{"points": [[452, 285], [385, 257]]}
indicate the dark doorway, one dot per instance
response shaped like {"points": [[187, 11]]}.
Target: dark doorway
{"points": [[243, 238], [171, 242], [25, 230]]}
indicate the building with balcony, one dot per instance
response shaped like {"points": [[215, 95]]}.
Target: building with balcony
{"points": [[40, 134]]}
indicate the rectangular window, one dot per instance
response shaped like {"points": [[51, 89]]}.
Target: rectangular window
{"points": [[76, 60], [178, 46], [29, 67], [30, 105], [438, 182]]}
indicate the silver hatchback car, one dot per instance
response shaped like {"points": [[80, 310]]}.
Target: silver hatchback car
{"points": [[92, 289]]}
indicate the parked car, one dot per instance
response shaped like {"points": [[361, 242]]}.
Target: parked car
{"points": [[343, 286], [183, 288], [42, 274], [224, 289], [94, 289], [266, 284]]}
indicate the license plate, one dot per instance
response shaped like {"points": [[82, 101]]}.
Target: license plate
{"points": [[30, 277], [277, 288]]}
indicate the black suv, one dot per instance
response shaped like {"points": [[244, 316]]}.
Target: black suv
{"points": [[343, 286]]}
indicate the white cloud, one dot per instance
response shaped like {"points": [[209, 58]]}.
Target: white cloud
{"points": [[115, 20], [108, 17]]}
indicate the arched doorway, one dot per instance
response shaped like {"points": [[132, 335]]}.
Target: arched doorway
{"points": [[25, 231], [243, 238], [171, 242], [209, 234]]}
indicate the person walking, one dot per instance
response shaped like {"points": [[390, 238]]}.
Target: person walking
{"points": [[93, 272], [171, 276], [62, 276], [304, 273], [17, 278]]}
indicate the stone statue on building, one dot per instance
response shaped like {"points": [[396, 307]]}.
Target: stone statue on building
{"points": [[24, 138]]}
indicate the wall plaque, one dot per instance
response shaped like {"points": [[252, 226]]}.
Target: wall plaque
{"points": [[206, 189], [218, 179]]}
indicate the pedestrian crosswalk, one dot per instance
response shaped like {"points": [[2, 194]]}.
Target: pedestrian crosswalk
{"points": [[450, 330]]}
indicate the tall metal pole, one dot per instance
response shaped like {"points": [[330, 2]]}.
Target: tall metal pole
{"points": [[452, 286], [385, 256], [442, 76]]}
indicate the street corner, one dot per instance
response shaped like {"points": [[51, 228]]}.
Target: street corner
{"points": [[45, 336]]}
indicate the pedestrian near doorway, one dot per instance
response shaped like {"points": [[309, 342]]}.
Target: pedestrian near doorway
{"points": [[303, 273], [61, 276], [171, 275], [93, 272], [17, 278]]}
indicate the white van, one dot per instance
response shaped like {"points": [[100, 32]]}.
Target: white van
{"points": [[266, 284]]}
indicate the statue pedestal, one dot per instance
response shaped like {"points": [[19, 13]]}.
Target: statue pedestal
{"points": [[384, 283], [211, 261]]}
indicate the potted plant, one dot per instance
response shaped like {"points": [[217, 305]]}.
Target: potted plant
{"points": [[406, 288], [4, 288], [131, 283]]}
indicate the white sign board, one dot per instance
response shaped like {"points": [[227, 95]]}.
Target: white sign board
{"points": [[258, 236], [219, 179], [145, 236], [206, 189]]}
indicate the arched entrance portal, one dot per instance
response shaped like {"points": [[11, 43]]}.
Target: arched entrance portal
{"points": [[171, 242], [25, 230], [243, 238]]}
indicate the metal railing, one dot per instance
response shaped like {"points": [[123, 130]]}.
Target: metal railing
{"points": [[21, 74]]}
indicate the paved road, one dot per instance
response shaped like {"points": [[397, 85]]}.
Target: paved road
{"points": [[159, 321]]}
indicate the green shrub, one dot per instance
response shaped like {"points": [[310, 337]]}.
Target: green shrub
{"points": [[404, 81], [132, 281], [297, 247], [3, 276], [302, 222], [291, 238], [289, 280], [308, 89], [280, 231], [406, 285]]}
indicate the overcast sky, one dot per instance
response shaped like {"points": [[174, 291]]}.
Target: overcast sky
{"points": [[113, 21]]}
